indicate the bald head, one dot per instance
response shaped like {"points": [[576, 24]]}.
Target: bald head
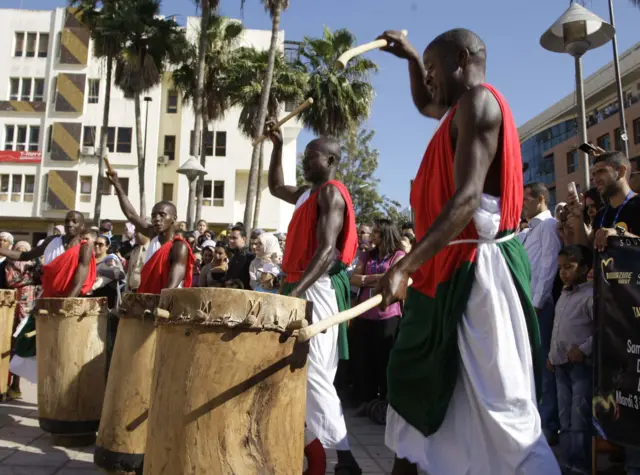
{"points": [[458, 39], [168, 206], [74, 223], [320, 160], [327, 146], [163, 217]]}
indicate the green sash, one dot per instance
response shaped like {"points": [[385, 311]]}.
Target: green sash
{"points": [[342, 287], [26, 347]]}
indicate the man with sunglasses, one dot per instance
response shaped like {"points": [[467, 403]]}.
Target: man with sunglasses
{"points": [[69, 268]]}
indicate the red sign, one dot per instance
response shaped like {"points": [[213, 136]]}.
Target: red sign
{"points": [[8, 156]]}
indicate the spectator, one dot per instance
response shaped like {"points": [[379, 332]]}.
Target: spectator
{"points": [[6, 242], [407, 229], [364, 233], [265, 268], [109, 272], [58, 230], [241, 257], [282, 240], [23, 278], [634, 181], [593, 204], [372, 334], [219, 266], [542, 243], [201, 227], [182, 226], [570, 358], [208, 254], [106, 228]]}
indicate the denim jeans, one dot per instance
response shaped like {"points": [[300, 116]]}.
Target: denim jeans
{"points": [[633, 461], [549, 404], [575, 392]]}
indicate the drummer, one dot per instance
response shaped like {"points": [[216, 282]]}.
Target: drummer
{"points": [[69, 263], [168, 263], [325, 220]]}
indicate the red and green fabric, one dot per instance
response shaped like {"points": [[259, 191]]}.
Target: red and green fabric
{"points": [[424, 363]]}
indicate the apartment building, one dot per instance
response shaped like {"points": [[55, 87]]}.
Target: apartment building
{"points": [[51, 105], [550, 140]]}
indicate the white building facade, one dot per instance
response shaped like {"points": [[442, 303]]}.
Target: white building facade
{"points": [[52, 94]]}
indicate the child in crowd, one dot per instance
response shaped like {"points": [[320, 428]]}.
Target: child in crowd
{"points": [[570, 358], [265, 268]]}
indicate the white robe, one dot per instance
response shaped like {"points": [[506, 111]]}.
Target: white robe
{"points": [[324, 416], [492, 425], [154, 245], [53, 250]]}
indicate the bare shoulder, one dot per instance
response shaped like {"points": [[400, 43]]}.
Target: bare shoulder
{"points": [[329, 197], [479, 107], [180, 246]]}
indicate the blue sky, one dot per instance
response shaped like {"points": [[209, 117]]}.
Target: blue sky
{"points": [[530, 77]]}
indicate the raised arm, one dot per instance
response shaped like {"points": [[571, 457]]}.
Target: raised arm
{"points": [[82, 271], [478, 120], [287, 193], [127, 208], [29, 255], [331, 207], [400, 46], [179, 256]]}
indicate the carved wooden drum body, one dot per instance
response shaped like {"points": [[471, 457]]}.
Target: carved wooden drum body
{"points": [[123, 426], [7, 315], [229, 385], [72, 359]]}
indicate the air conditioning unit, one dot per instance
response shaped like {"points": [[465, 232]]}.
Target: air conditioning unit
{"points": [[163, 160], [88, 151]]}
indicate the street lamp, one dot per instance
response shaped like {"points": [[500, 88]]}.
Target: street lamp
{"points": [[147, 99], [577, 31], [193, 170]]}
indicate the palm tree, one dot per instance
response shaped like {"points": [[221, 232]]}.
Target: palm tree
{"points": [[248, 72], [342, 99], [103, 20], [275, 9], [221, 38], [152, 42]]}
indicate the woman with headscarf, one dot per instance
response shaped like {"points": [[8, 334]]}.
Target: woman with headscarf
{"points": [[264, 270], [23, 278], [6, 242], [208, 253]]}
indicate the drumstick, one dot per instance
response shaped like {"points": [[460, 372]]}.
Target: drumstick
{"points": [[106, 162], [295, 112], [358, 50], [31, 334], [306, 333]]}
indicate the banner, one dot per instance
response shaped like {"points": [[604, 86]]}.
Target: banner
{"points": [[9, 156], [616, 402]]}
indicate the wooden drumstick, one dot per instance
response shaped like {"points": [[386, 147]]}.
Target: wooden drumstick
{"points": [[106, 162], [31, 334], [306, 333], [279, 124], [358, 50]]}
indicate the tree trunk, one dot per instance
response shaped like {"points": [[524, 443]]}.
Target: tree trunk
{"points": [[200, 182], [198, 99], [256, 213], [262, 116], [102, 153], [142, 160]]}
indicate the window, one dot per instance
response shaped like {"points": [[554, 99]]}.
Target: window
{"points": [[124, 140], [107, 188], [34, 138], [604, 142], [38, 90], [29, 188], [167, 192], [94, 91], [43, 45], [207, 143], [289, 106], [572, 161], [172, 101], [53, 90], [89, 136], [221, 144], [4, 187], [16, 187], [21, 139], [636, 129], [170, 147], [111, 139], [9, 135], [86, 183], [25, 94], [32, 38], [49, 138], [19, 48], [14, 88], [213, 193], [618, 139]]}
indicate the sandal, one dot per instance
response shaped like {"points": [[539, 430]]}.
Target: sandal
{"points": [[13, 394]]}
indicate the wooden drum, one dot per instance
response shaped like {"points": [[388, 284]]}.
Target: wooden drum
{"points": [[7, 315], [123, 425], [229, 385], [72, 364]]}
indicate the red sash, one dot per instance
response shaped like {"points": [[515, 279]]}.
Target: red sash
{"points": [[154, 275], [303, 238], [434, 186], [57, 276]]}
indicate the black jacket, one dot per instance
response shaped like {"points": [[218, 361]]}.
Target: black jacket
{"points": [[239, 267]]}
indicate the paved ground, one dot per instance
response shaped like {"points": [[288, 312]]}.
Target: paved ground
{"points": [[27, 450]]}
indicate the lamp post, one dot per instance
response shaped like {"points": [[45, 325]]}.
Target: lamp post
{"points": [[616, 64], [147, 99], [577, 31], [192, 169]]}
